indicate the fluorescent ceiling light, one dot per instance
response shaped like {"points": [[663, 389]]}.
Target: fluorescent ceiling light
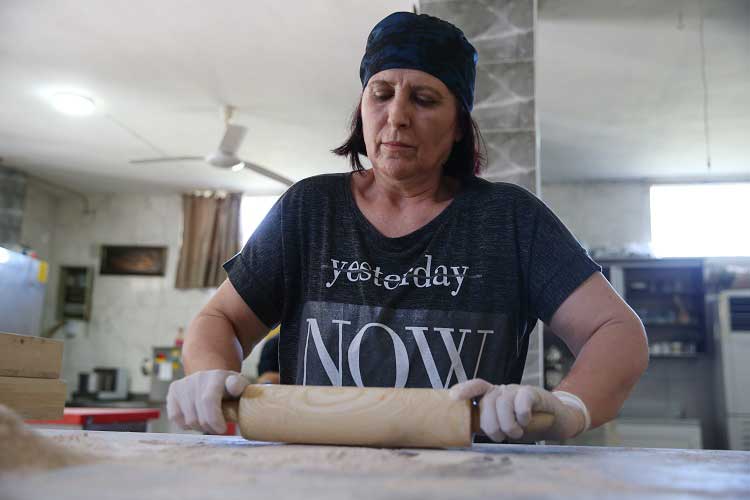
{"points": [[73, 104], [238, 167]]}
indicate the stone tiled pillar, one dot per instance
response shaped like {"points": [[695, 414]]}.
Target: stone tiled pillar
{"points": [[503, 33], [12, 194], [504, 106]]}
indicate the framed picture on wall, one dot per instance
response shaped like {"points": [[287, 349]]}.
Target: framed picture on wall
{"points": [[133, 260]]}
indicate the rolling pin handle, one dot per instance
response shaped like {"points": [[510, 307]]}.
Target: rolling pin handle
{"points": [[475, 425], [231, 410], [540, 421]]}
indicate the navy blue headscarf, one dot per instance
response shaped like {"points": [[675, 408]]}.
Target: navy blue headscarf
{"points": [[410, 41]]}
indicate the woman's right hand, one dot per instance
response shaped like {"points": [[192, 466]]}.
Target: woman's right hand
{"points": [[194, 402]]}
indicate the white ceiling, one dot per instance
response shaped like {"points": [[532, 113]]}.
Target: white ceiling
{"points": [[159, 72], [620, 92], [619, 87]]}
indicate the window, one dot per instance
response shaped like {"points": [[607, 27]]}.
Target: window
{"points": [[700, 220], [252, 212]]}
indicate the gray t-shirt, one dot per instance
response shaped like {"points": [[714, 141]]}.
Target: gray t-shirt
{"points": [[454, 300]]}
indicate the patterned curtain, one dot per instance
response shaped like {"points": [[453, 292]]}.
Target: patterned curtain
{"points": [[210, 237]]}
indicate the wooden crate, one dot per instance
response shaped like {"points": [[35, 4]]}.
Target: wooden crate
{"points": [[33, 357], [34, 398]]}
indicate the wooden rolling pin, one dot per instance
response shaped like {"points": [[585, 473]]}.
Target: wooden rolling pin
{"points": [[370, 416]]}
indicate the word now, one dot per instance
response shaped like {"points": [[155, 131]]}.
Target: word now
{"points": [[335, 372]]}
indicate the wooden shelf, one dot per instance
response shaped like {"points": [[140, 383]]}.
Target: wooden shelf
{"points": [[689, 326], [685, 355], [662, 295]]}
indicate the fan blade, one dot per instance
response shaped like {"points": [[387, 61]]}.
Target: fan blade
{"points": [[168, 158], [271, 175], [232, 139]]}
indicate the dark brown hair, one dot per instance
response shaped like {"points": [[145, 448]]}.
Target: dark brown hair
{"points": [[467, 157]]}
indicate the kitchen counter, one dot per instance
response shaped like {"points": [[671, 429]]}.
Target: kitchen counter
{"points": [[156, 466], [101, 419]]}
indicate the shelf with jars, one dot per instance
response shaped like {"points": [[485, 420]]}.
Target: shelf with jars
{"points": [[667, 294]]}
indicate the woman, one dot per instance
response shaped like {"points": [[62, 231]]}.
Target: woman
{"points": [[416, 273]]}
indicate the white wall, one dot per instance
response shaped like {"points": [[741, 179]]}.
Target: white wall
{"points": [[602, 214], [130, 314], [38, 215]]}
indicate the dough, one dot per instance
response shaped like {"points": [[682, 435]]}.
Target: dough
{"points": [[23, 448]]}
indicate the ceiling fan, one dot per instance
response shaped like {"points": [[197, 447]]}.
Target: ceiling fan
{"points": [[226, 154]]}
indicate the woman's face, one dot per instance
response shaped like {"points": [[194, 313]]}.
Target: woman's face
{"points": [[409, 122]]}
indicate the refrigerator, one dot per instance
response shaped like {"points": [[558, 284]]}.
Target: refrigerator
{"points": [[23, 280], [734, 351]]}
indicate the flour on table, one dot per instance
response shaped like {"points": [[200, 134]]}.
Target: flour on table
{"points": [[23, 448]]}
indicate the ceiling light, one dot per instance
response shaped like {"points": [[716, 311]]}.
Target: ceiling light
{"points": [[238, 167], [4, 255], [73, 104]]}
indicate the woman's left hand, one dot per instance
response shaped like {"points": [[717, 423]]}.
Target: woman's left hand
{"points": [[505, 410]]}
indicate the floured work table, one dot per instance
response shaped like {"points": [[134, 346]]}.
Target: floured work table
{"points": [[181, 466]]}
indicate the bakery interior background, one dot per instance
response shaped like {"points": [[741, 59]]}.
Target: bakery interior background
{"points": [[629, 119]]}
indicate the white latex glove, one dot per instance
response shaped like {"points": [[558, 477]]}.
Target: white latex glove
{"points": [[505, 410], [194, 402]]}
